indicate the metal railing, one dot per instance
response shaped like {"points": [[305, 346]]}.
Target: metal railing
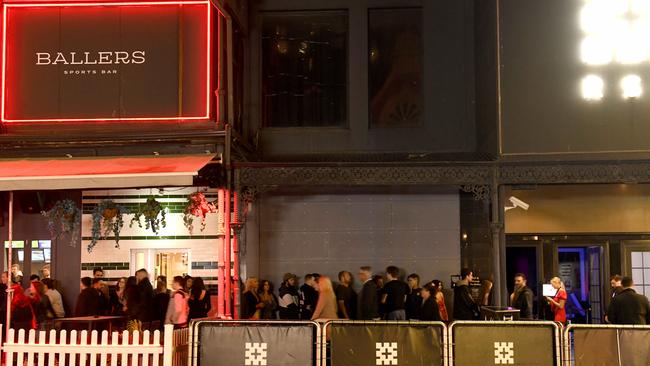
{"points": [[569, 346], [556, 329], [438, 325], [193, 354]]}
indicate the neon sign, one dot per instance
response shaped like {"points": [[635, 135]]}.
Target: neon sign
{"points": [[109, 61]]}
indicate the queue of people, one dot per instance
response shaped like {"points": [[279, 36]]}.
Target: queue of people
{"points": [[320, 300], [37, 306]]}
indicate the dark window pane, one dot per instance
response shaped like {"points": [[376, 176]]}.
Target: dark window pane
{"points": [[395, 67], [304, 69]]}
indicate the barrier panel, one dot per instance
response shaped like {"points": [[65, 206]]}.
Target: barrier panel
{"points": [[606, 344], [531, 343], [356, 343], [251, 342]]}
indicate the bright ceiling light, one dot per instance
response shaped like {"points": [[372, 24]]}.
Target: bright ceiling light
{"points": [[597, 15], [632, 86], [592, 88], [596, 51], [631, 46]]}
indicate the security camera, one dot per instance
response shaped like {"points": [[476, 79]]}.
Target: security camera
{"points": [[516, 202]]}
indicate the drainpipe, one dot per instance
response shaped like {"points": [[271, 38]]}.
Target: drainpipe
{"points": [[220, 245], [226, 255], [235, 250], [10, 236]]}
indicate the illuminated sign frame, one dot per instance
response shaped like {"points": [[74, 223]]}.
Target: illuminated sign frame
{"points": [[208, 79]]}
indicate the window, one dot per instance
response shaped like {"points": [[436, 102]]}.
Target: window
{"points": [[304, 69], [395, 67], [641, 272]]}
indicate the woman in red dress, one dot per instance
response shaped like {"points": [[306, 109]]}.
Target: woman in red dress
{"points": [[440, 299], [558, 301]]}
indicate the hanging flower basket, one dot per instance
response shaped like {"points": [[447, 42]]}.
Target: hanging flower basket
{"points": [[108, 218], [197, 206], [64, 218], [153, 214]]}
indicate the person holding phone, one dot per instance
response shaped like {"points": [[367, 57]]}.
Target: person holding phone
{"points": [[558, 301]]}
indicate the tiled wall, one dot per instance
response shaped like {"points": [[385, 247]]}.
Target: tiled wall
{"points": [[328, 233], [202, 245]]}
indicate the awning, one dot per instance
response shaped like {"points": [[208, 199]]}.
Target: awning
{"points": [[100, 172]]}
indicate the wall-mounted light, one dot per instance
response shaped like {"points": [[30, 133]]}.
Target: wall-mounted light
{"points": [[632, 86], [592, 88]]}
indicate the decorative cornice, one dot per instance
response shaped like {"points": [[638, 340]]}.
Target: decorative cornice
{"points": [[365, 176], [475, 178]]}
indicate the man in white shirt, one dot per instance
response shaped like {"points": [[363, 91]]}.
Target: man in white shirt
{"points": [[55, 298]]}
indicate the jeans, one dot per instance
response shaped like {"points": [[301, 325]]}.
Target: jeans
{"points": [[396, 315]]}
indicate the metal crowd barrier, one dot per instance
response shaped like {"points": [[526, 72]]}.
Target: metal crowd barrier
{"points": [[605, 344], [253, 342], [505, 343], [384, 343], [302, 343]]}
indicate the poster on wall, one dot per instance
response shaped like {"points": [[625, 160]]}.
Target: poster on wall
{"points": [[106, 61]]}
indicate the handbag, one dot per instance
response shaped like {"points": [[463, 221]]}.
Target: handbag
{"points": [[257, 315]]}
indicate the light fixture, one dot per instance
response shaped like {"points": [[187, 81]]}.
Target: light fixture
{"points": [[592, 87], [596, 50], [632, 86]]}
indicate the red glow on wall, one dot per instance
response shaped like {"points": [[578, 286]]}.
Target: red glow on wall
{"points": [[11, 47]]}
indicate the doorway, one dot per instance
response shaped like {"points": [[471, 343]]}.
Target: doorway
{"points": [[525, 259], [582, 270], [162, 262]]}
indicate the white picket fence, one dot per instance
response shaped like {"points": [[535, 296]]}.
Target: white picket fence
{"points": [[81, 349]]}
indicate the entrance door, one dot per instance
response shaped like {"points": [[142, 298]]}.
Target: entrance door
{"points": [[162, 262], [526, 260], [636, 262], [581, 271]]}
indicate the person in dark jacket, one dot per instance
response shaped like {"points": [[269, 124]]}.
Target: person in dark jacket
{"points": [[250, 300], [522, 297], [413, 298], [288, 303], [132, 304], [368, 301], [88, 300], [308, 296], [429, 309], [199, 301], [161, 300], [145, 292], [464, 306], [628, 307]]}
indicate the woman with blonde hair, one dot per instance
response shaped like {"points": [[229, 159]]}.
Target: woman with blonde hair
{"points": [[326, 307], [251, 304], [558, 301]]}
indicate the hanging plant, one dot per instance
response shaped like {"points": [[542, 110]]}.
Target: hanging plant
{"points": [[108, 218], [64, 218], [153, 214], [197, 206]]}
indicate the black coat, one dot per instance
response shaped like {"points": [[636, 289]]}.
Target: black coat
{"points": [[628, 307], [464, 306], [87, 302], [523, 301], [145, 305], [292, 311], [429, 310], [413, 304], [248, 305], [368, 302]]}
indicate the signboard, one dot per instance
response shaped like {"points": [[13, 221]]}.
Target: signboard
{"points": [[516, 344], [106, 61], [385, 344], [255, 344]]}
